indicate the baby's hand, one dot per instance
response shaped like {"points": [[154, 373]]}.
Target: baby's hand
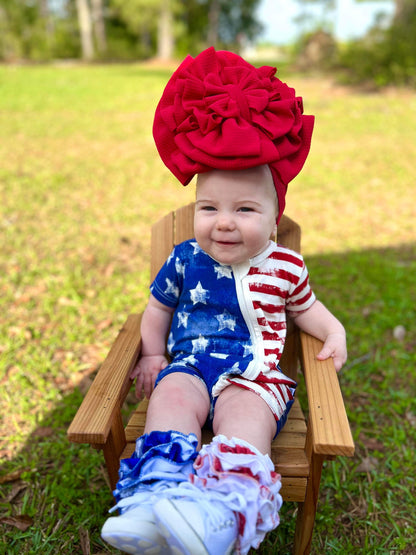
{"points": [[335, 346], [146, 372]]}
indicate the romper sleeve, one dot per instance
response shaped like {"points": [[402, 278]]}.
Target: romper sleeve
{"points": [[167, 286], [301, 297]]}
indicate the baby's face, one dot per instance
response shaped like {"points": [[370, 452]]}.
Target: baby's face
{"points": [[235, 213]]}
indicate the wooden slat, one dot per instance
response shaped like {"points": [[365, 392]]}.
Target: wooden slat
{"points": [[93, 421], [128, 450], [162, 242], [296, 411], [330, 427], [290, 440], [290, 462], [289, 361], [293, 489], [293, 426], [135, 426], [184, 223], [289, 233]]}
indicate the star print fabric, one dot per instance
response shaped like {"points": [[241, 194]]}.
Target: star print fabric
{"points": [[229, 323], [197, 287]]}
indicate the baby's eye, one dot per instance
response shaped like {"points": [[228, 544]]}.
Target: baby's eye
{"points": [[246, 209], [208, 208]]}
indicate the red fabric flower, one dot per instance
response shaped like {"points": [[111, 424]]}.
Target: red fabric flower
{"points": [[220, 112]]}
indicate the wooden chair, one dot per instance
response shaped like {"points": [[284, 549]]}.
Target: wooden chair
{"points": [[299, 450]]}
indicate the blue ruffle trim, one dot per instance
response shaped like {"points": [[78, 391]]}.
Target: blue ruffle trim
{"points": [[158, 456]]}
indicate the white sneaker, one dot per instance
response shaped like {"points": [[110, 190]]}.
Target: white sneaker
{"points": [[199, 523], [135, 530]]}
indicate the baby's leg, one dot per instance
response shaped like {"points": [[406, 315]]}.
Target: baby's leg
{"points": [[163, 458], [179, 402], [243, 414], [235, 479]]}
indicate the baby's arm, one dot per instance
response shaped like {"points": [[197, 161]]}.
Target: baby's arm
{"points": [[322, 324], [154, 329]]}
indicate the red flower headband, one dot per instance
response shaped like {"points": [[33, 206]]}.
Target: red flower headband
{"points": [[220, 112]]}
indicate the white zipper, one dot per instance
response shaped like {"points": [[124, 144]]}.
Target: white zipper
{"points": [[243, 295]]}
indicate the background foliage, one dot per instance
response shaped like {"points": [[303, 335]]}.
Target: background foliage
{"points": [[115, 30], [386, 55]]}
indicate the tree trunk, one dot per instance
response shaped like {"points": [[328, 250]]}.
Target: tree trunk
{"points": [[165, 31], [99, 25], [213, 23], [85, 29], [48, 22], [403, 10]]}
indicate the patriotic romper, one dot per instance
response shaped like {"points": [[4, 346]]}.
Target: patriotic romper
{"points": [[229, 323]]}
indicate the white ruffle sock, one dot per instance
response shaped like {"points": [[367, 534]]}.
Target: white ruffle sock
{"points": [[236, 467], [228, 505]]}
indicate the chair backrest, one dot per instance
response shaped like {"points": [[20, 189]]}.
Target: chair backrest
{"points": [[178, 226]]}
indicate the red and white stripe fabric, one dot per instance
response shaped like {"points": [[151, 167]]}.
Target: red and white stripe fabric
{"points": [[278, 285], [275, 283], [276, 389]]}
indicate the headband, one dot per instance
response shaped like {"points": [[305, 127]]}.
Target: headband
{"points": [[219, 112]]}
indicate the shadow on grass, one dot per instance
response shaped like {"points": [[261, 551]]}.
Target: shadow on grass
{"points": [[55, 495]]}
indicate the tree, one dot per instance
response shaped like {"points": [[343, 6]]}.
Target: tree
{"points": [[99, 25], [329, 7], [165, 39], [85, 29], [238, 24], [226, 24], [214, 13], [23, 33], [44, 29], [385, 55], [45, 16], [400, 7], [149, 19]]}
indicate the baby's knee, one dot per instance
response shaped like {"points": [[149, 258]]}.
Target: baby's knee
{"points": [[167, 393], [181, 390], [242, 407]]}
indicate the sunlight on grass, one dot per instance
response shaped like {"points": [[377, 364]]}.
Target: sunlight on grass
{"points": [[357, 188], [80, 186]]}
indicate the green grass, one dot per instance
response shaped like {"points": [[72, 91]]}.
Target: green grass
{"points": [[80, 185]]}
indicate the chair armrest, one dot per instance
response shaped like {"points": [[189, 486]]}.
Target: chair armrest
{"points": [[93, 421], [331, 434]]}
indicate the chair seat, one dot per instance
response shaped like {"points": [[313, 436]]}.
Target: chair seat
{"points": [[288, 449]]}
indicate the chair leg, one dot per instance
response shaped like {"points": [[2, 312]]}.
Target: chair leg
{"points": [[307, 510], [113, 448]]}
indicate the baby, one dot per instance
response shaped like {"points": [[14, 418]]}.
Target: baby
{"points": [[219, 303]]}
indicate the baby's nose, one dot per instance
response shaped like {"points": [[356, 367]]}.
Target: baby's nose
{"points": [[225, 221]]}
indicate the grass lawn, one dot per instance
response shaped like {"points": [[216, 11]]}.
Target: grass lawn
{"points": [[80, 184]]}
